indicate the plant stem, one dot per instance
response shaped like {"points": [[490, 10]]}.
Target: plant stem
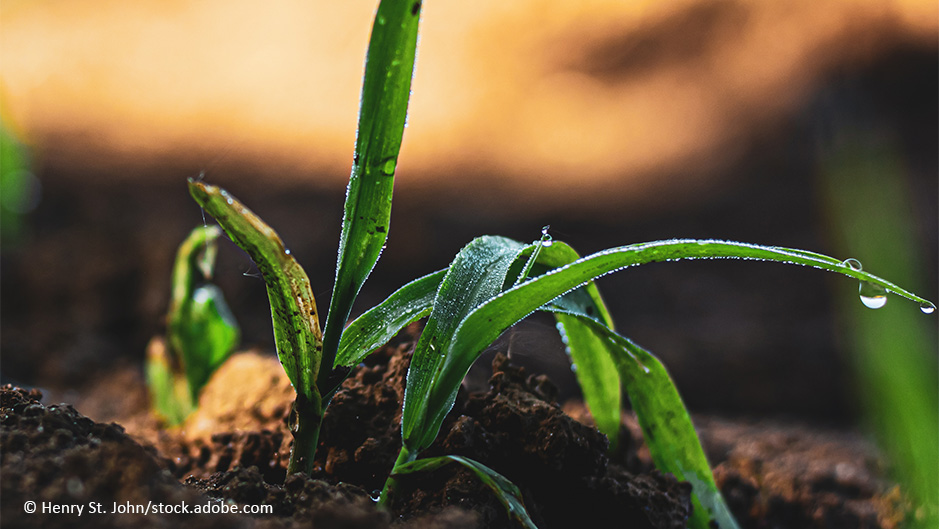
{"points": [[388, 491], [307, 420]]}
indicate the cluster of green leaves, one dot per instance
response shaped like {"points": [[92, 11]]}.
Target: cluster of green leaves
{"points": [[495, 282], [492, 283], [201, 330]]}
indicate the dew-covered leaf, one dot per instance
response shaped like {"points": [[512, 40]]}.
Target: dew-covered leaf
{"points": [[666, 425], [596, 375], [382, 322], [475, 276], [483, 326], [293, 308], [389, 66]]}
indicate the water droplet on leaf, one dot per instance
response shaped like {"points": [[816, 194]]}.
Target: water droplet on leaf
{"points": [[873, 296], [853, 264], [927, 307], [546, 239], [388, 168]]}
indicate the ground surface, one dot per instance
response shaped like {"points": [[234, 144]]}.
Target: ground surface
{"points": [[235, 448]]}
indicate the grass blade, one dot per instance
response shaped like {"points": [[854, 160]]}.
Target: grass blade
{"points": [[293, 308], [386, 89], [596, 376], [484, 325], [381, 323], [595, 372], [506, 491], [476, 275], [666, 425]]}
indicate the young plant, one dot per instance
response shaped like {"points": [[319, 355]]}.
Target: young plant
{"points": [[492, 283], [201, 331], [308, 356], [495, 282]]}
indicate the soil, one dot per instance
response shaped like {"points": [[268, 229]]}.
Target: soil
{"points": [[234, 450]]}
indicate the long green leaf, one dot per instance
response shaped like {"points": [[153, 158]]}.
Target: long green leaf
{"points": [[506, 491], [665, 423], [484, 325], [293, 308], [381, 323], [386, 89], [595, 371], [476, 275]]}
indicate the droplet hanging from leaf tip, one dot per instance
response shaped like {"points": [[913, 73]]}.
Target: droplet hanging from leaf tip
{"points": [[927, 307], [872, 295]]}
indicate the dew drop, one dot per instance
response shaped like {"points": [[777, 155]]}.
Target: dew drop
{"points": [[927, 307], [546, 239], [872, 295], [853, 264], [375, 495], [388, 168], [286, 251]]}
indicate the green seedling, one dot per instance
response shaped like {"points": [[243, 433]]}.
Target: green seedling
{"points": [[478, 298], [201, 331], [492, 283], [308, 356]]}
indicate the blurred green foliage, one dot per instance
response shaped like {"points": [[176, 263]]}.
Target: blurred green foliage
{"points": [[893, 350], [19, 188]]}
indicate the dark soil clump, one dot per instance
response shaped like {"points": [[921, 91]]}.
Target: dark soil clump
{"points": [[54, 456]]}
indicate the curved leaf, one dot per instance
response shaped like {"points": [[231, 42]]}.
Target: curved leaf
{"points": [[293, 308], [476, 274], [593, 367], [201, 330], [483, 326], [381, 323], [666, 425], [506, 491]]}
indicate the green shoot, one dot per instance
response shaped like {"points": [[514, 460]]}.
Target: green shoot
{"points": [[386, 91], [309, 356], [293, 312], [201, 331]]}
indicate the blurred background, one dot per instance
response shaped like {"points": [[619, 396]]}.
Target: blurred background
{"points": [[785, 122]]}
